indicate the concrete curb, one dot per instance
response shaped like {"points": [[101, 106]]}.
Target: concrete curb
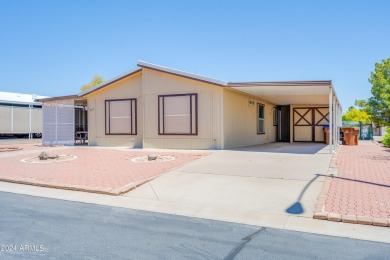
{"points": [[319, 210]]}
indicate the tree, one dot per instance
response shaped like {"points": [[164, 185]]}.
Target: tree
{"points": [[96, 80], [354, 114], [378, 106]]}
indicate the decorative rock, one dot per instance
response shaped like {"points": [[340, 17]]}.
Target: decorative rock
{"points": [[53, 156], [43, 156], [152, 157]]}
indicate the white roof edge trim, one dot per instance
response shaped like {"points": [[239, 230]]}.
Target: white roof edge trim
{"points": [[19, 102], [19, 98], [109, 81], [181, 73]]}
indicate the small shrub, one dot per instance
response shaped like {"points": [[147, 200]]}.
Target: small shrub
{"points": [[386, 140]]}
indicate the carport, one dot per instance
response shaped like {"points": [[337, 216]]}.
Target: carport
{"points": [[302, 108]]}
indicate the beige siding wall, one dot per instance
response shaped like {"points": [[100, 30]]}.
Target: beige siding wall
{"points": [[304, 133], [17, 120], [209, 111], [5, 119], [36, 120], [130, 87], [240, 120]]}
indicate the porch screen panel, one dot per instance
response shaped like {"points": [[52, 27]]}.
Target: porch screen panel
{"points": [[49, 128], [65, 121], [58, 122]]}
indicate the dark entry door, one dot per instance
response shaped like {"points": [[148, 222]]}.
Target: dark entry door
{"points": [[284, 124]]}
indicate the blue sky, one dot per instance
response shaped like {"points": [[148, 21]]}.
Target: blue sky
{"points": [[54, 47]]}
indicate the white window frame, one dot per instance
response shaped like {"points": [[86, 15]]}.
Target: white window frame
{"points": [[259, 119]]}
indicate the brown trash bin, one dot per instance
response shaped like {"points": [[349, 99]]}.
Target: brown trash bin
{"points": [[355, 137], [326, 135], [350, 135]]}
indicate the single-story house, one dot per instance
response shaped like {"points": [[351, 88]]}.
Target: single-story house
{"points": [[153, 106]]}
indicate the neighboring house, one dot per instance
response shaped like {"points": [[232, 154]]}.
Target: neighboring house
{"points": [[159, 107], [20, 114], [380, 130]]}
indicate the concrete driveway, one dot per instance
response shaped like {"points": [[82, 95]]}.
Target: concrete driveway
{"points": [[277, 178]]}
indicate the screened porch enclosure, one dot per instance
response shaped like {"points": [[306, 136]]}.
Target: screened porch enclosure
{"points": [[64, 122]]}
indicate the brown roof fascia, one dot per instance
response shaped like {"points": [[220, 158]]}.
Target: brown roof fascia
{"points": [[58, 98], [109, 83], [179, 75]]}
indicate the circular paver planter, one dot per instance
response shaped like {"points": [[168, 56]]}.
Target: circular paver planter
{"points": [[60, 158], [10, 149], [160, 158]]}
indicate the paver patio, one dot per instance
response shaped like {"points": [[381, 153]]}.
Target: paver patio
{"points": [[360, 193], [102, 170]]}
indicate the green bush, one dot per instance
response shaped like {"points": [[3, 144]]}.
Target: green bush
{"points": [[386, 139]]}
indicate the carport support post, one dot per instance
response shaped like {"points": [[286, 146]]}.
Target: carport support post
{"points": [[29, 127], [330, 120]]}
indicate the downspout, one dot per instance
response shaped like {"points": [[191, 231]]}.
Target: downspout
{"points": [[29, 128]]}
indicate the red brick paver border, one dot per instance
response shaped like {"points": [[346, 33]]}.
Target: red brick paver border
{"points": [[360, 193], [100, 170]]}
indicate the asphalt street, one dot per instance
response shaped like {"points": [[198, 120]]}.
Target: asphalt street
{"points": [[36, 228]]}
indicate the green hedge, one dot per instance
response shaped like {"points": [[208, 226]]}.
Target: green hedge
{"points": [[386, 139]]}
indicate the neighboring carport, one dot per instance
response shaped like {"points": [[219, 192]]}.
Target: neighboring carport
{"points": [[305, 108]]}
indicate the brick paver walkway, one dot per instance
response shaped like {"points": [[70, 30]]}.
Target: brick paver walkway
{"points": [[102, 170], [360, 193]]}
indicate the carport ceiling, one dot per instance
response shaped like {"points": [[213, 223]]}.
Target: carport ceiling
{"points": [[287, 92]]}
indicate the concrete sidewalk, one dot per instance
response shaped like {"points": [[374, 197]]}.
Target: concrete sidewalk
{"points": [[284, 222]]}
